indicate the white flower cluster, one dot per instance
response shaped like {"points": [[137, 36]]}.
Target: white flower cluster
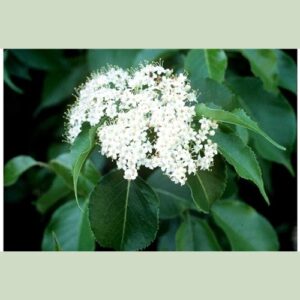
{"points": [[146, 118]]}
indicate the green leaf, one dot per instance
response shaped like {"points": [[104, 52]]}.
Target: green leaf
{"points": [[16, 167], [103, 57], [263, 64], [123, 214], [62, 166], [208, 186], [287, 77], [56, 149], [273, 114], [245, 228], [241, 157], [174, 198], [59, 85], [232, 188], [41, 59], [206, 63], [236, 117], [80, 151], [211, 91], [71, 228], [57, 191], [195, 234], [56, 243], [10, 83], [243, 134], [15, 68], [167, 233], [266, 170]]}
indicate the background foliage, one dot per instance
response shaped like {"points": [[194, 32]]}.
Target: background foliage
{"points": [[252, 93]]}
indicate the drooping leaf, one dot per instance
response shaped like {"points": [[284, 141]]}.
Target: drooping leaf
{"points": [[273, 114], [57, 191], [241, 157], [263, 64], [174, 198], [287, 77], [62, 166], [10, 83], [98, 58], [71, 228], [206, 63], [273, 155], [236, 117], [41, 59], [123, 214], [16, 167], [80, 151], [245, 228], [194, 234], [208, 186], [15, 68]]}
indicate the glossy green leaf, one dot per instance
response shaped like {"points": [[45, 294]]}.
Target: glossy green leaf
{"points": [[194, 234], [174, 198], [41, 59], [57, 191], [273, 114], [287, 77], [123, 214], [211, 91], [208, 186], [241, 157], [245, 228], [236, 117], [61, 84], [62, 166], [71, 228], [263, 64], [98, 58], [16, 167], [243, 134], [80, 151], [206, 63]]}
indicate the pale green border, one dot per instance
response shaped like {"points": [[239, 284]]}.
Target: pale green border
{"points": [[149, 24], [155, 276]]}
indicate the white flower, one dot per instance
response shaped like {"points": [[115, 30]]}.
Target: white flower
{"points": [[146, 118]]}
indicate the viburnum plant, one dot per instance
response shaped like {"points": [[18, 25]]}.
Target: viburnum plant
{"points": [[176, 141]]}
